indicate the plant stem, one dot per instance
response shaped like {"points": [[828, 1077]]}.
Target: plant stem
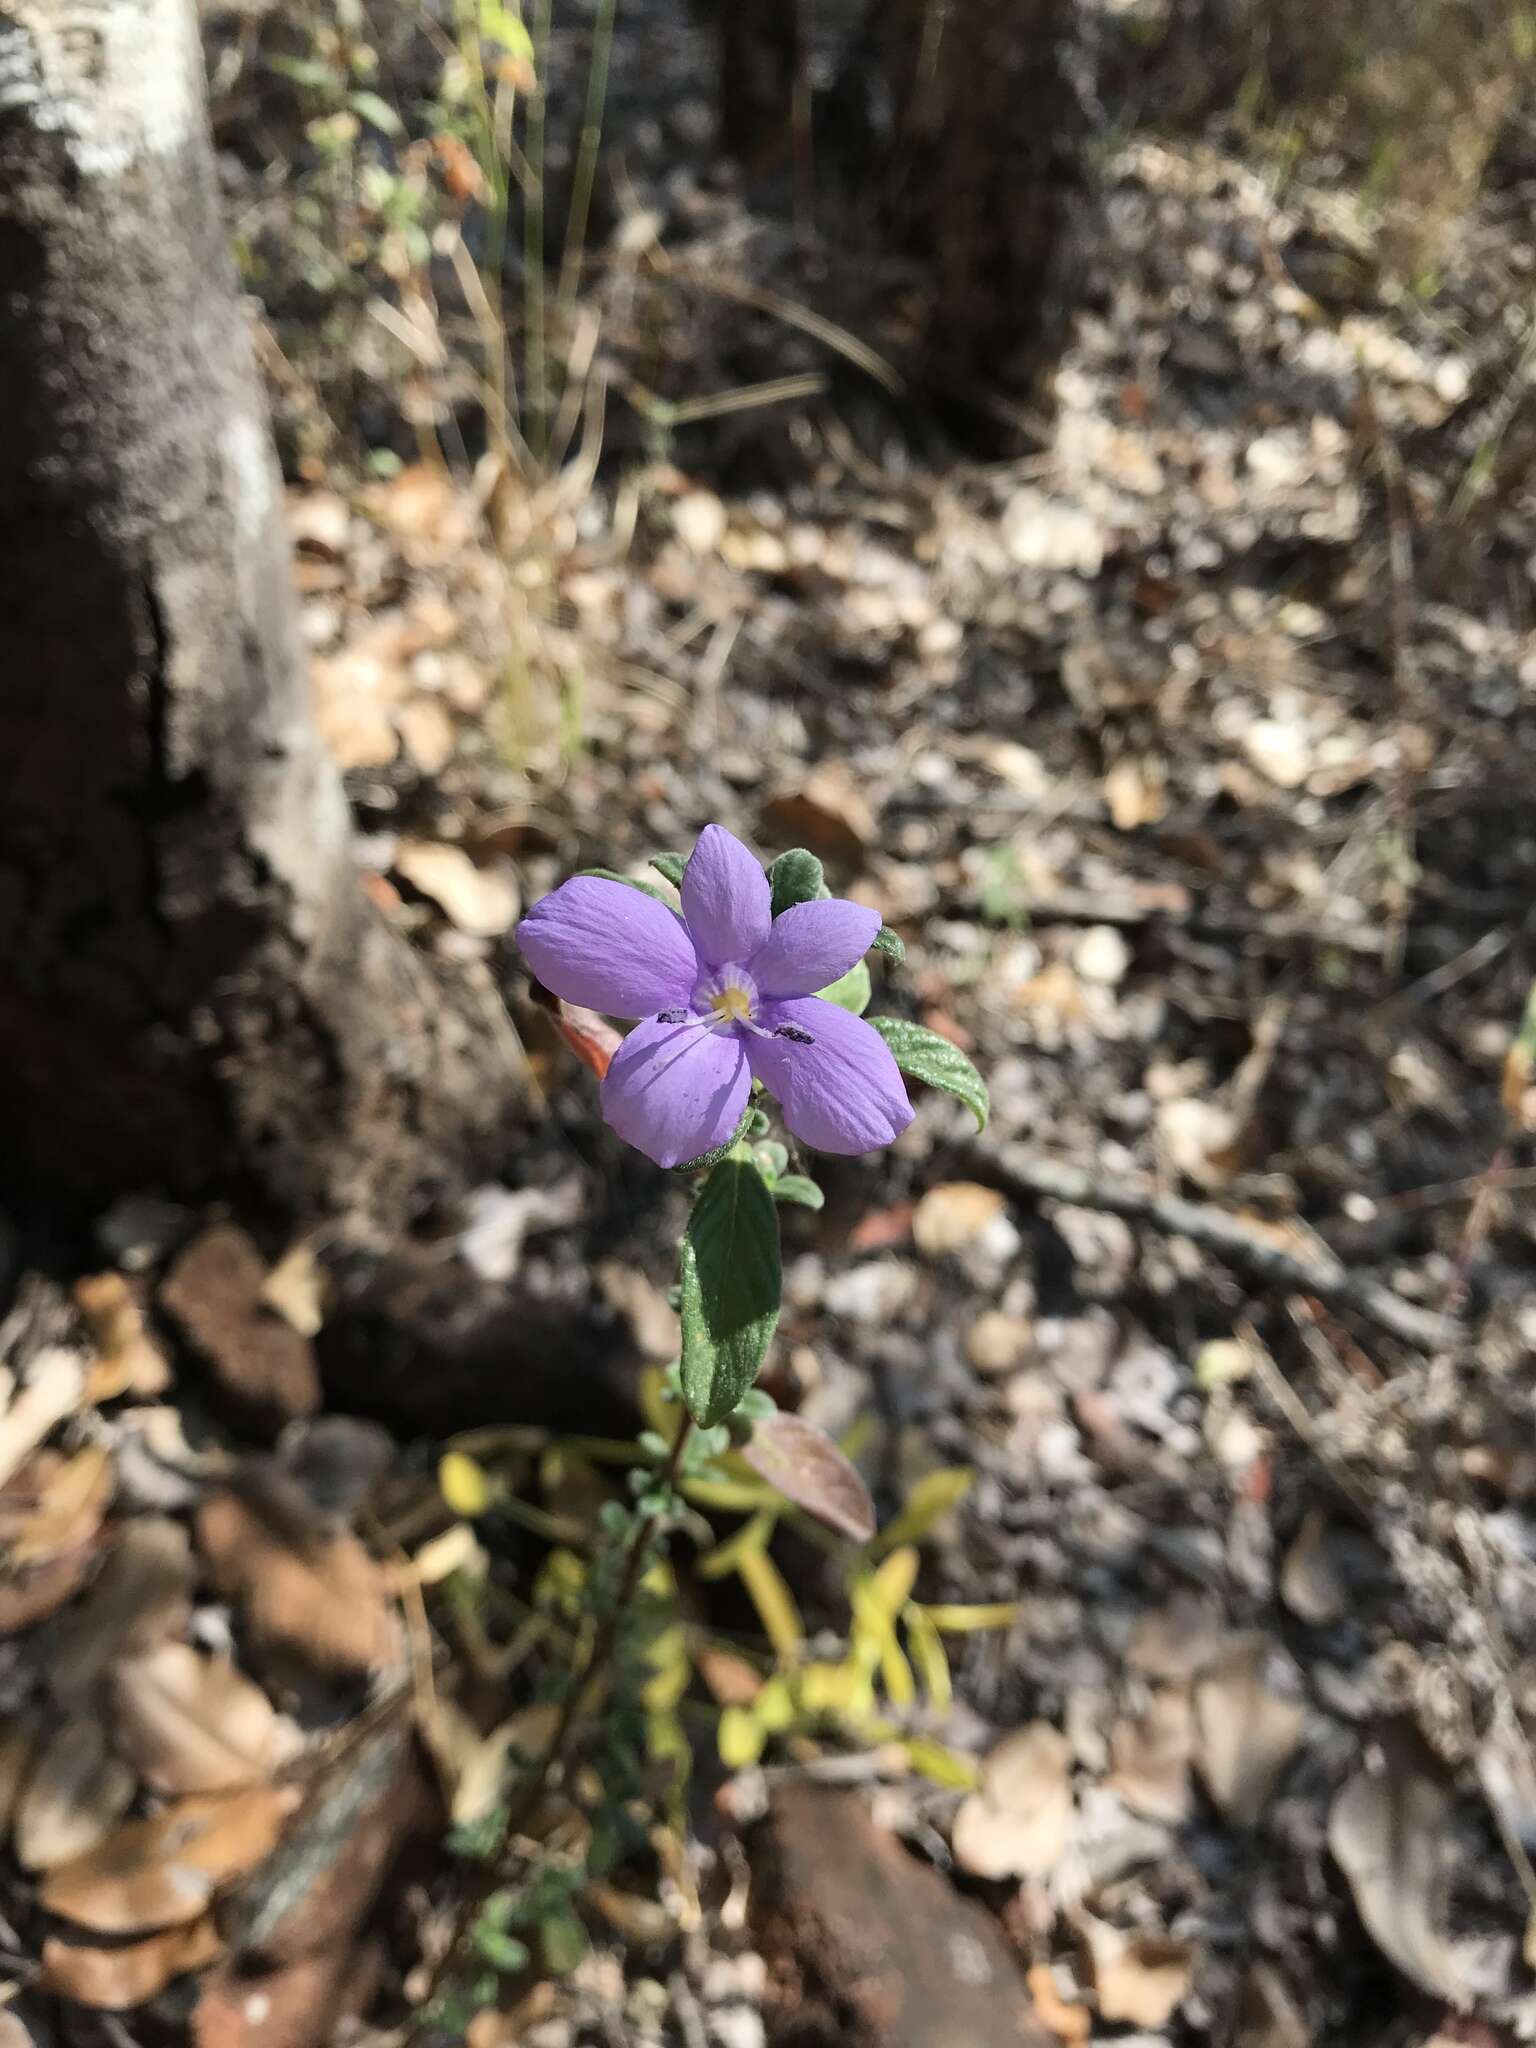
{"points": [[502, 1866]]}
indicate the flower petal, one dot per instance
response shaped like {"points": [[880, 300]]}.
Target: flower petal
{"points": [[675, 1090], [811, 945], [610, 948], [841, 1093], [726, 899]]}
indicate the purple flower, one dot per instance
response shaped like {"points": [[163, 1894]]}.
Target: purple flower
{"points": [[727, 994]]}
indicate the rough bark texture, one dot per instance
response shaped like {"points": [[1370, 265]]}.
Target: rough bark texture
{"points": [[195, 985]]}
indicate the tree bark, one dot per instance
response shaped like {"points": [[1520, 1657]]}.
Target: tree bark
{"points": [[195, 988]]}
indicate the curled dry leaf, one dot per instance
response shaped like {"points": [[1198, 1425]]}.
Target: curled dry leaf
{"points": [[1150, 1755], [1248, 1722], [76, 1794], [1310, 1584], [128, 1360], [481, 901], [1141, 1978], [591, 1037], [802, 1462], [115, 1979], [54, 1388], [1390, 1834], [1018, 1824], [141, 1594], [191, 1723], [163, 1871], [323, 1599]]}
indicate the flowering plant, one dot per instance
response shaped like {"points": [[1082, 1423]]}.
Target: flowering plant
{"points": [[753, 988], [754, 985]]}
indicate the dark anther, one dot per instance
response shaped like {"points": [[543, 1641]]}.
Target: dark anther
{"points": [[671, 1016], [794, 1034]]}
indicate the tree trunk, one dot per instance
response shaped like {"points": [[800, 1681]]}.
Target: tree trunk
{"points": [[196, 990]]}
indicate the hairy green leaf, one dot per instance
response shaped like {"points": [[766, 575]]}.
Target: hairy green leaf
{"points": [[891, 944], [645, 888], [927, 1057], [851, 991], [731, 1287], [794, 1187], [717, 1152], [670, 866], [796, 877]]}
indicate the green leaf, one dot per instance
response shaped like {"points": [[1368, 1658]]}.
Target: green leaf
{"points": [[498, 24], [717, 1152], [377, 112], [503, 1952], [670, 866], [564, 1942], [796, 877], [850, 991], [732, 1285], [645, 888], [891, 944], [794, 1187], [771, 1159], [927, 1057], [308, 71]]}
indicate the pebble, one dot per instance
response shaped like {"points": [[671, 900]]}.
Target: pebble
{"points": [[998, 1343]]}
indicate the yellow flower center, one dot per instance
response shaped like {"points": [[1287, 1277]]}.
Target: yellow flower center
{"points": [[730, 1005]]}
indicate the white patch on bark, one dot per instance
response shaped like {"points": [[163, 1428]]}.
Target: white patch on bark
{"points": [[120, 80], [248, 475]]}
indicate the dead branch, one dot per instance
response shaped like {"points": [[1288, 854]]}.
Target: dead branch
{"points": [[1028, 1177]]}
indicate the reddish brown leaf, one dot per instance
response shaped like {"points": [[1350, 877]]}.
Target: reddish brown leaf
{"points": [[808, 1468], [591, 1037]]}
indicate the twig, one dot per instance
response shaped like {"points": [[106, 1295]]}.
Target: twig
{"points": [[500, 1869], [1028, 1177]]}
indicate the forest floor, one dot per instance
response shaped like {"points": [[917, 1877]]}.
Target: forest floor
{"points": [[1191, 754]]}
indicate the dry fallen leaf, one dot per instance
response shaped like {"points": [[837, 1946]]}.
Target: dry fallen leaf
{"points": [[1019, 1822], [19, 1744], [482, 901], [806, 1466], [114, 1979], [1140, 1978], [829, 813], [1150, 1755], [191, 1723], [472, 1766], [323, 1600], [141, 1594], [53, 1389], [1310, 1584], [295, 1288], [1173, 1642], [76, 1794], [954, 1215], [258, 1362], [1267, 2015], [1390, 1834], [163, 1871], [128, 1361], [1136, 793], [71, 1496], [1067, 2021], [1248, 1722]]}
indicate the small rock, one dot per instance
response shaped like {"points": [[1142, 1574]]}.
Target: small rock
{"points": [[698, 519], [1101, 955], [953, 1215], [875, 1292], [998, 1343], [1280, 752]]}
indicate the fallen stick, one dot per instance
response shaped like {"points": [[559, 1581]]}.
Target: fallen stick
{"points": [[1027, 1176]]}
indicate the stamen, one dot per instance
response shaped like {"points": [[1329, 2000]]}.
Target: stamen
{"points": [[793, 1033], [671, 1016]]}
